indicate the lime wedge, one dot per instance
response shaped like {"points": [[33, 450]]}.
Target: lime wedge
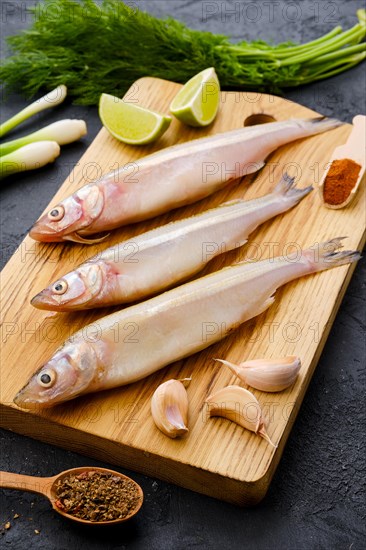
{"points": [[197, 103], [130, 123]]}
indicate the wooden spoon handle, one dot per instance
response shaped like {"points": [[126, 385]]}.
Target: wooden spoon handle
{"points": [[357, 137], [41, 485]]}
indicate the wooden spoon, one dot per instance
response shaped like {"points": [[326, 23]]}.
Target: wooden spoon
{"points": [[353, 149], [47, 486]]}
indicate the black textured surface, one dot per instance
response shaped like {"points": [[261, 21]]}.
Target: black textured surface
{"points": [[317, 497]]}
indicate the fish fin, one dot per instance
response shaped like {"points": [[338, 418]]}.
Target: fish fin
{"points": [[252, 167], [264, 306], [76, 238], [320, 124], [326, 255], [239, 244], [285, 184], [286, 188]]}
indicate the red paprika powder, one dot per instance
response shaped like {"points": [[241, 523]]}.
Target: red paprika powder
{"points": [[340, 180]]}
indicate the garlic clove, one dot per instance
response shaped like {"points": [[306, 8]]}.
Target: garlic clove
{"points": [[169, 408], [270, 375], [240, 406]]}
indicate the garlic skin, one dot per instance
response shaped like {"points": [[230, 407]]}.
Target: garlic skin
{"points": [[270, 375], [169, 408], [240, 406]]}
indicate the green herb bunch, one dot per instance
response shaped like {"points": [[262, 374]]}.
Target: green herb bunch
{"points": [[95, 48]]}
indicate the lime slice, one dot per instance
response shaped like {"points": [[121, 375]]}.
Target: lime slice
{"points": [[198, 101], [130, 123]]}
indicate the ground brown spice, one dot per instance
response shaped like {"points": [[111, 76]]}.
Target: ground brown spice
{"points": [[96, 496], [340, 180]]}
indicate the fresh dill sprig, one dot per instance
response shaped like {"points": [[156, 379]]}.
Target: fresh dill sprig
{"points": [[95, 48]]}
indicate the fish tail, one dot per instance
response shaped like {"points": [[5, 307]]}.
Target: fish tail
{"points": [[286, 189], [317, 125], [328, 254]]}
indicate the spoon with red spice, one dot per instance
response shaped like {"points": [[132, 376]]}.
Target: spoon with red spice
{"points": [[347, 168], [89, 495]]}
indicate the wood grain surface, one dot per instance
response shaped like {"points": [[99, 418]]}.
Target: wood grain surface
{"points": [[217, 457]]}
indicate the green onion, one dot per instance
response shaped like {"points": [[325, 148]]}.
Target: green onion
{"points": [[29, 157], [46, 102], [63, 132], [361, 14]]}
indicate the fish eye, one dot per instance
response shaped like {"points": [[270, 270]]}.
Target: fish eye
{"points": [[47, 378], [56, 213], [60, 287]]}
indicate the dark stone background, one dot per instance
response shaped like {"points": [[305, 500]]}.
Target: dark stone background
{"points": [[317, 498]]}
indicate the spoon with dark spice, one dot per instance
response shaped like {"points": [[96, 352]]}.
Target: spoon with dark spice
{"points": [[89, 495]]}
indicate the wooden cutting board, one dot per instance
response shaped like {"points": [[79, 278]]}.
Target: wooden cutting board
{"points": [[217, 458]]}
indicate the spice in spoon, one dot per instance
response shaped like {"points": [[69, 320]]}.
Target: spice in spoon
{"points": [[341, 178], [96, 496]]}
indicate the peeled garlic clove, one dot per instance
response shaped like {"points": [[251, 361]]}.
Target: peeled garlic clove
{"points": [[169, 408], [269, 375], [240, 406]]}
